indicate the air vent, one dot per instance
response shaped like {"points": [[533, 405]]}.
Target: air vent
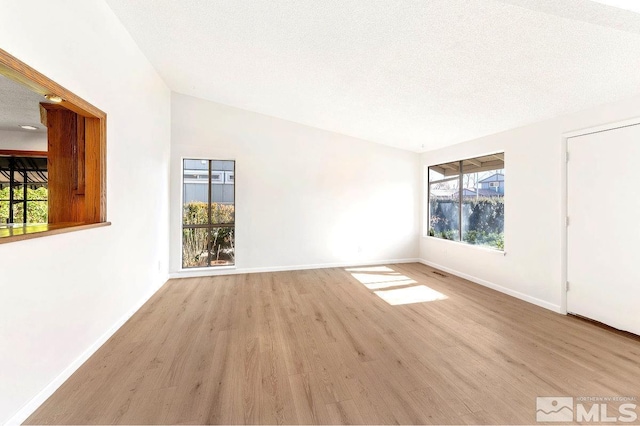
{"points": [[439, 274]]}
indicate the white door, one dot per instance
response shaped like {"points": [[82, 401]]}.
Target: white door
{"points": [[603, 269]]}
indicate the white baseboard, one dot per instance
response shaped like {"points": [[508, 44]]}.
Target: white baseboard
{"points": [[204, 272], [501, 289], [30, 407]]}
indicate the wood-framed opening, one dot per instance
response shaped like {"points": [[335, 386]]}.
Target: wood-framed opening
{"points": [[76, 156]]}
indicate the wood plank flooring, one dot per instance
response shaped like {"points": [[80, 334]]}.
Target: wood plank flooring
{"points": [[322, 347]]}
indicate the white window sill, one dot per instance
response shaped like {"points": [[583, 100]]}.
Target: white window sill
{"points": [[463, 244], [207, 268], [203, 272]]}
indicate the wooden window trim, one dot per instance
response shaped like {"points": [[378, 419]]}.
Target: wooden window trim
{"points": [[27, 232], [18, 153], [95, 134]]}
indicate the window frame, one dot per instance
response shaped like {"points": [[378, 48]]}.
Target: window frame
{"points": [[25, 200], [460, 179], [210, 184]]}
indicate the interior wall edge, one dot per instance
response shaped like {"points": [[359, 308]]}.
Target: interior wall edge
{"points": [[518, 295], [30, 407]]}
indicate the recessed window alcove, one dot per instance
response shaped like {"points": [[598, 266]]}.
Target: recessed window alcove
{"points": [[60, 186]]}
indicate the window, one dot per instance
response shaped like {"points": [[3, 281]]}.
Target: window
{"points": [[466, 201], [23, 189], [208, 213], [217, 177]]}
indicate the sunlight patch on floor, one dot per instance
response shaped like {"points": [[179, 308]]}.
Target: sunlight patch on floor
{"points": [[383, 277], [387, 284], [407, 295], [377, 281], [371, 269]]}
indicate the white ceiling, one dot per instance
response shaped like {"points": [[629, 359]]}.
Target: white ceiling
{"points": [[633, 5], [19, 105], [412, 74]]}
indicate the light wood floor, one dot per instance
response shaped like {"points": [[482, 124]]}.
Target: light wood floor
{"points": [[319, 346]]}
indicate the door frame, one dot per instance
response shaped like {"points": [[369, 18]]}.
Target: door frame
{"points": [[564, 192]]}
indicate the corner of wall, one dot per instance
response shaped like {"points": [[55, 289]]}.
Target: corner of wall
{"points": [[493, 286], [30, 407]]}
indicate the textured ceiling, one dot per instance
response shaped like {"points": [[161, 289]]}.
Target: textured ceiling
{"points": [[18, 105], [412, 74], [633, 5]]}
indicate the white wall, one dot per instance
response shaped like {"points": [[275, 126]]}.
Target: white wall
{"points": [[61, 294], [304, 196], [534, 218], [23, 140]]}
